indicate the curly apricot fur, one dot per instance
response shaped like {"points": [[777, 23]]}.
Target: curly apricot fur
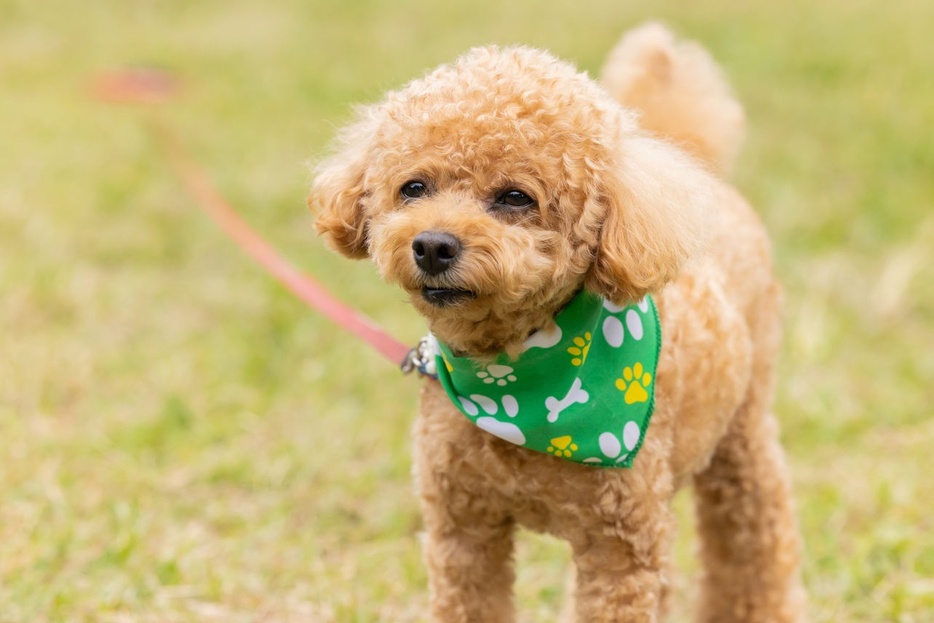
{"points": [[622, 210]]}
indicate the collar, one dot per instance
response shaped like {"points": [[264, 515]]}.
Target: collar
{"points": [[582, 390]]}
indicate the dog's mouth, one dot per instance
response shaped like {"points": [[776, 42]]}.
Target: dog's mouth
{"points": [[445, 297]]}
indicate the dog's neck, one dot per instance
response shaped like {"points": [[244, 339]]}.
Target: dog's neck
{"points": [[497, 332]]}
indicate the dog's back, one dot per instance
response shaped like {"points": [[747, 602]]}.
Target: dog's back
{"points": [[682, 96], [680, 93]]}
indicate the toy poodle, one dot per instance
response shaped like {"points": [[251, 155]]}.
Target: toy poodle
{"points": [[603, 318]]}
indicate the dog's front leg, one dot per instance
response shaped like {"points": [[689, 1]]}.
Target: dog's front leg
{"points": [[621, 548], [469, 555], [619, 580], [469, 540]]}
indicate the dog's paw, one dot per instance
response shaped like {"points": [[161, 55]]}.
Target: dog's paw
{"points": [[580, 349], [634, 383]]}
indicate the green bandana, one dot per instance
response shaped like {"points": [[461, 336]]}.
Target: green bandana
{"points": [[583, 392]]}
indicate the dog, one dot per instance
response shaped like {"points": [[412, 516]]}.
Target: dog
{"points": [[509, 194]]}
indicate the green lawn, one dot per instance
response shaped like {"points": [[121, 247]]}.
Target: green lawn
{"points": [[181, 440]]}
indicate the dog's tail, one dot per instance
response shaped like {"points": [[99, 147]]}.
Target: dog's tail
{"points": [[680, 93]]}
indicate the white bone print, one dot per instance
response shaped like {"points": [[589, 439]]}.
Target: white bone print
{"points": [[543, 338], [575, 395]]}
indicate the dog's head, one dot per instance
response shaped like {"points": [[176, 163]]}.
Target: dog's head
{"points": [[495, 188]]}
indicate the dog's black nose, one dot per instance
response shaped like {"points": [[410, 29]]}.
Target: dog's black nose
{"points": [[435, 251]]}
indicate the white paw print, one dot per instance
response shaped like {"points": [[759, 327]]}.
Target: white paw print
{"points": [[501, 375], [613, 327], [504, 430], [470, 405], [612, 448]]}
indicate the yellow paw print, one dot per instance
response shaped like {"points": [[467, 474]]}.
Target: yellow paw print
{"points": [[580, 349], [563, 446], [634, 383]]}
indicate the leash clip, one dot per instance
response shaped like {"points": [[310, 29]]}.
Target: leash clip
{"points": [[420, 359]]}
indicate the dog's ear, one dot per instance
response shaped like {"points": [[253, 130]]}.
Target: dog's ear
{"points": [[337, 192], [656, 202]]}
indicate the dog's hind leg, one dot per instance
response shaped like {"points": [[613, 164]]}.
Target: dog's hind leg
{"points": [[749, 536]]}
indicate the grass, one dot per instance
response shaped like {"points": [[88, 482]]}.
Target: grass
{"points": [[183, 441]]}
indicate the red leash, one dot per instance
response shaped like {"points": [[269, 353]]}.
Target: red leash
{"points": [[150, 86]]}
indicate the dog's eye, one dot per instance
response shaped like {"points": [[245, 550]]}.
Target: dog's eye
{"points": [[413, 190], [513, 200]]}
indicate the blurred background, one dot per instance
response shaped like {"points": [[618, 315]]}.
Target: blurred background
{"points": [[182, 440]]}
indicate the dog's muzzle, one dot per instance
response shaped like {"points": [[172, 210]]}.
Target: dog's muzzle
{"points": [[435, 252]]}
